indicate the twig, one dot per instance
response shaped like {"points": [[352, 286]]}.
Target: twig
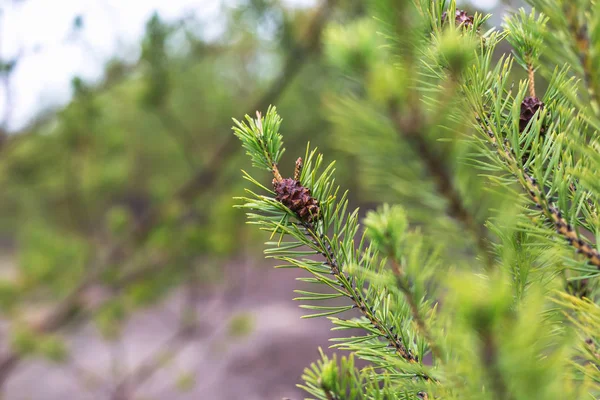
{"points": [[169, 350], [353, 294], [531, 79], [489, 359], [582, 46], [324, 248], [327, 392], [402, 283], [410, 129], [537, 195], [350, 290]]}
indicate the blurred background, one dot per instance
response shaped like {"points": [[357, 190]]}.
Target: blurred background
{"points": [[125, 271]]}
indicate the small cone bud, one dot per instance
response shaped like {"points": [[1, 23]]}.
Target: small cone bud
{"points": [[298, 169]]}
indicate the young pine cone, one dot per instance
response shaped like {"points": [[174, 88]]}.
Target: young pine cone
{"points": [[529, 107], [297, 198], [461, 17]]}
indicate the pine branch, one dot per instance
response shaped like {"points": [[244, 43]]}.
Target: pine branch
{"points": [[403, 285], [493, 114], [326, 231], [489, 358], [353, 294], [265, 153], [539, 198], [580, 33], [410, 128]]}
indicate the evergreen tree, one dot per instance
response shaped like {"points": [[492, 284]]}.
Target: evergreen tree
{"points": [[477, 277]]}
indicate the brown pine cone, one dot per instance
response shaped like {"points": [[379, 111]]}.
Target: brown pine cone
{"points": [[461, 17], [297, 198], [529, 107]]}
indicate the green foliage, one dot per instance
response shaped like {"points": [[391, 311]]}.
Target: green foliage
{"points": [[353, 47], [264, 147], [526, 34], [454, 51], [386, 229], [472, 284], [333, 378], [92, 193], [28, 343]]}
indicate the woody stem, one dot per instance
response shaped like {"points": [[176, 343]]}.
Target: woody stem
{"points": [[531, 77]]}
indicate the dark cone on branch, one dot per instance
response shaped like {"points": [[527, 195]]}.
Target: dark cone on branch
{"points": [[297, 198], [461, 17], [529, 107]]}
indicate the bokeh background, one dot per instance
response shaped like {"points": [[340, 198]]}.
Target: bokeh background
{"points": [[125, 271]]}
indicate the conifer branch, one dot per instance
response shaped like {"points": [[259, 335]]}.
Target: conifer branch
{"points": [[353, 293], [489, 358], [563, 227], [410, 129], [580, 34], [264, 146], [539, 198], [322, 243], [403, 285]]}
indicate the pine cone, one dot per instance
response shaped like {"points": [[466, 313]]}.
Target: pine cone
{"points": [[461, 17], [297, 198], [529, 107]]}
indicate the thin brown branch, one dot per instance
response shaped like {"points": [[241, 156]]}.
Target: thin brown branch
{"points": [[187, 331], [410, 128], [563, 227], [489, 359], [167, 352], [539, 198], [581, 36], [354, 294], [328, 393], [531, 79], [402, 283]]}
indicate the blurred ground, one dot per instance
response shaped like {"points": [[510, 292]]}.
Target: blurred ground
{"points": [[219, 364]]}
